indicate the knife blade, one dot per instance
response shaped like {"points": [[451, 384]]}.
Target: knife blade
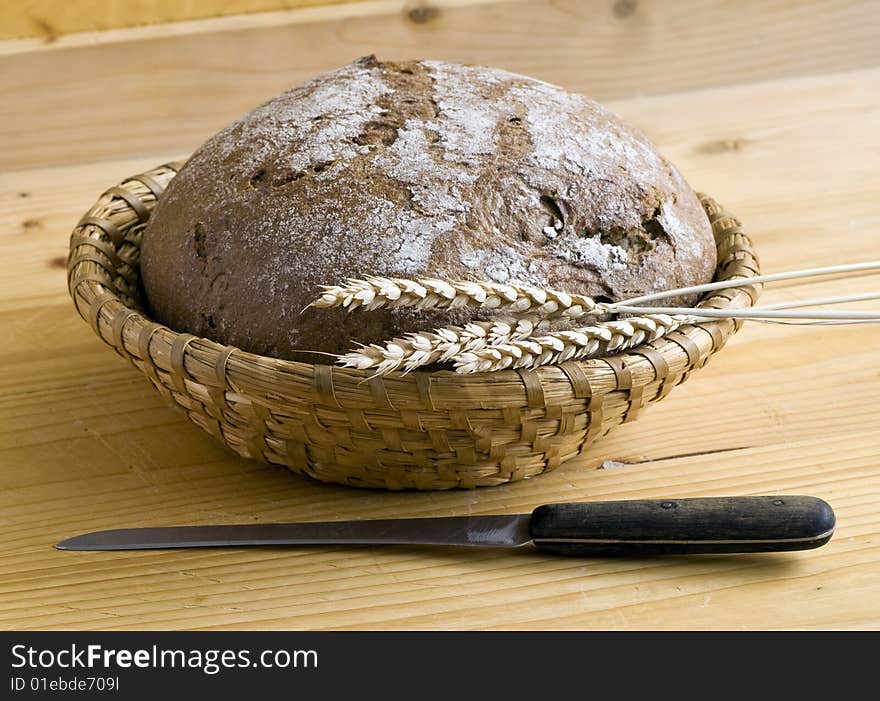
{"points": [[609, 528]]}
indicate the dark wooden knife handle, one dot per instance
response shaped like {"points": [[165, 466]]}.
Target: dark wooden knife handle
{"points": [[683, 526]]}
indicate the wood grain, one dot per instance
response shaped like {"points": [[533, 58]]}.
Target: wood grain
{"points": [[166, 93], [48, 19], [85, 443]]}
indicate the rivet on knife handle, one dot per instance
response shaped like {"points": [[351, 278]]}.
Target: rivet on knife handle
{"points": [[683, 526]]}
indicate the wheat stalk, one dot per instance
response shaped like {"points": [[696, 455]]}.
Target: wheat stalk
{"points": [[488, 346], [600, 339], [427, 293], [418, 349], [856, 268]]}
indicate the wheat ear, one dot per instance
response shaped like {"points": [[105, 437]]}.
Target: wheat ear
{"points": [[418, 349], [428, 293], [600, 339]]}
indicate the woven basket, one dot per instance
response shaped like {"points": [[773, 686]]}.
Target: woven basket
{"points": [[423, 430]]}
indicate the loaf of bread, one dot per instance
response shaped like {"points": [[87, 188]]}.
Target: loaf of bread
{"points": [[412, 169]]}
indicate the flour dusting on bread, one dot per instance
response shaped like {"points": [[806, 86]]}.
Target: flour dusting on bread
{"points": [[406, 169]]}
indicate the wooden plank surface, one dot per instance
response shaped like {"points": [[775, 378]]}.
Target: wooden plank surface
{"points": [[48, 19], [85, 443], [167, 93]]}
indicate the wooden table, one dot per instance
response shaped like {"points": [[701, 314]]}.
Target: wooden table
{"points": [[774, 110]]}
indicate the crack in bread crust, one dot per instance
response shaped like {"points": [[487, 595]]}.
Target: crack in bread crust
{"points": [[416, 168]]}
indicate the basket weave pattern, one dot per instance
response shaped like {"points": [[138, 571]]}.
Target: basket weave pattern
{"points": [[424, 430]]}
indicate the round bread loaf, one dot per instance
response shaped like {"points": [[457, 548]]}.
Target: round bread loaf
{"points": [[410, 169]]}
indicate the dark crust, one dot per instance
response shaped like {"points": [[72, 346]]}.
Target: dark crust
{"points": [[249, 229]]}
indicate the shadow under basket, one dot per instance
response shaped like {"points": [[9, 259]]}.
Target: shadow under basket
{"points": [[423, 430]]}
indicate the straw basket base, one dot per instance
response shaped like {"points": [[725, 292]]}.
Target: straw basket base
{"points": [[423, 430]]}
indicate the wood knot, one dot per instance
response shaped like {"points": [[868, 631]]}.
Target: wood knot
{"points": [[46, 30], [622, 9], [29, 225], [422, 14], [722, 146]]}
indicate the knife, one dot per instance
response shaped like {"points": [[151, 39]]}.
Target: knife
{"points": [[644, 527]]}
